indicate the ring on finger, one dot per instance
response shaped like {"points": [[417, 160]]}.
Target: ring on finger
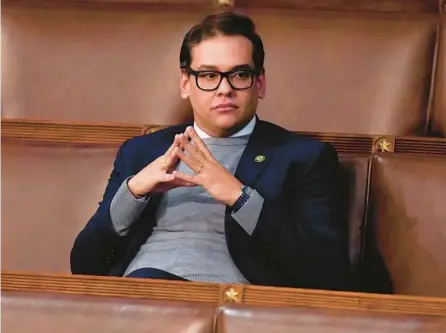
{"points": [[199, 169]]}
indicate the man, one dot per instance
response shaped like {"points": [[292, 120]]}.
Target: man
{"points": [[228, 198]]}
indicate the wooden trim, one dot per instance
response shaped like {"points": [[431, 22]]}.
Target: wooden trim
{"points": [[212, 293], [77, 133], [67, 133], [420, 146], [347, 144], [403, 6], [114, 134]]}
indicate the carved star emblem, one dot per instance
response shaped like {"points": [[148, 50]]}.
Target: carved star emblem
{"points": [[231, 295], [384, 146], [224, 2]]}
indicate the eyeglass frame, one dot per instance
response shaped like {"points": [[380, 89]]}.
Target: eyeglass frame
{"points": [[254, 72]]}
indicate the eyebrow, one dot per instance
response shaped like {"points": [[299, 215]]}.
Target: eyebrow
{"points": [[212, 67]]}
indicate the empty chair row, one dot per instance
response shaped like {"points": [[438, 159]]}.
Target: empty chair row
{"points": [[26, 312], [338, 72]]}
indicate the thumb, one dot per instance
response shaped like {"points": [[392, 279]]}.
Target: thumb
{"points": [[170, 159], [167, 177]]}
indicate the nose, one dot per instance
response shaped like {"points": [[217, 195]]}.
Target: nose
{"points": [[224, 88]]}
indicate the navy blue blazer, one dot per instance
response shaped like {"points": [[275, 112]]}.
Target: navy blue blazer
{"points": [[300, 239]]}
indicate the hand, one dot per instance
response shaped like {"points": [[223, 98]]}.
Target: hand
{"points": [[157, 177], [209, 173]]}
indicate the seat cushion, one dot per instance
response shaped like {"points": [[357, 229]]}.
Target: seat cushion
{"points": [[92, 62], [354, 173], [304, 320], [406, 234], [48, 194], [439, 110], [45, 312], [347, 72]]}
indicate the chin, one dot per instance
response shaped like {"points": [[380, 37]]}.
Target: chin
{"points": [[226, 122]]}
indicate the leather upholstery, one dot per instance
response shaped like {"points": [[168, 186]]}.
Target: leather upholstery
{"points": [[50, 191], [234, 319], [326, 71], [48, 194], [45, 312], [97, 63], [354, 173], [406, 225], [64, 185], [347, 73], [439, 111], [26, 312]]}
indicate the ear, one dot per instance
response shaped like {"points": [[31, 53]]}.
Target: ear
{"points": [[184, 84], [261, 85]]}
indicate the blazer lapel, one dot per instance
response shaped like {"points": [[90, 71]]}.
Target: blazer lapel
{"points": [[257, 154]]}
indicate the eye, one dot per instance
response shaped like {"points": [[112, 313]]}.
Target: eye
{"points": [[242, 74], [208, 75]]}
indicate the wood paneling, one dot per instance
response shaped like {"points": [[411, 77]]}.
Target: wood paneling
{"points": [[115, 134], [420, 146], [71, 133], [211, 293]]}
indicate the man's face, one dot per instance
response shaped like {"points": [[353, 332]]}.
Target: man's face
{"points": [[225, 110]]}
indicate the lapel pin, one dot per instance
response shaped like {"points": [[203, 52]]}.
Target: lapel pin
{"points": [[259, 158]]}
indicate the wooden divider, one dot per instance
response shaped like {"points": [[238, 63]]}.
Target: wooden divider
{"points": [[409, 6], [115, 134], [219, 294]]}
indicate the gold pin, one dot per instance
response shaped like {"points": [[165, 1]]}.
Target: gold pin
{"points": [[259, 158]]}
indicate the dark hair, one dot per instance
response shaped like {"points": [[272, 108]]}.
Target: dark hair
{"points": [[228, 24]]}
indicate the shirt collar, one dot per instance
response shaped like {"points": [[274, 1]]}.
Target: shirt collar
{"points": [[244, 131]]}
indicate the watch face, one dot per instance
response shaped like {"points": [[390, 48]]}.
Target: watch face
{"points": [[249, 191]]}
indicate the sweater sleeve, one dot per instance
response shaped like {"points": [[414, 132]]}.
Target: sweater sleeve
{"points": [[125, 208]]}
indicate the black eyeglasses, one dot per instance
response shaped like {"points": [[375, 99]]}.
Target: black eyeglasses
{"points": [[238, 79]]}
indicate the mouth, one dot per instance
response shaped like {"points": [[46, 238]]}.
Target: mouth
{"points": [[227, 107]]}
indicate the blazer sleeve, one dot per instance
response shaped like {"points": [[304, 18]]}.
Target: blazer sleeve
{"points": [[304, 232], [98, 243]]}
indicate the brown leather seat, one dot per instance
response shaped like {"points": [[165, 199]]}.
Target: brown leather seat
{"points": [[93, 62], [327, 72], [439, 111], [46, 312], [50, 192], [354, 173], [234, 319], [406, 234], [347, 72], [48, 195]]}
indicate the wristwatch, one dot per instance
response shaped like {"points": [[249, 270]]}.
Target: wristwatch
{"points": [[242, 199]]}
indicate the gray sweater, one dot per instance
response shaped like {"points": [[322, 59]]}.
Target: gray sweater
{"points": [[189, 237]]}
